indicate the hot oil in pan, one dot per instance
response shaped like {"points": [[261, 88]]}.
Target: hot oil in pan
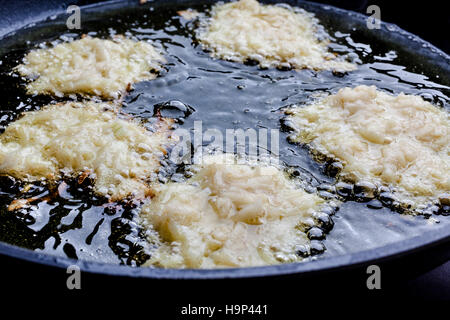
{"points": [[68, 220]]}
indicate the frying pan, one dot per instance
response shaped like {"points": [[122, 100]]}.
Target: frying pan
{"points": [[422, 251]]}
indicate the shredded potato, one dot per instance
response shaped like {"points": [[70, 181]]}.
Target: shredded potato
{"points": [[90, 66], [229, 215], [188, 14], [78, 137], [272, 35], [402, 141]]}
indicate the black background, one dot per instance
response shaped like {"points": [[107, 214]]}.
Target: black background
{"points": [[428, 19]]}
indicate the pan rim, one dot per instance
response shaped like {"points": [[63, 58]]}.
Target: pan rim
{"points": [[384, 253]]}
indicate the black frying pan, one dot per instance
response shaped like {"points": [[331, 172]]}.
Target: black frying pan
{"points": [[423, 249]]}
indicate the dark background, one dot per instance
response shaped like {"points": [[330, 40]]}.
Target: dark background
{"points": [[428, 19]]}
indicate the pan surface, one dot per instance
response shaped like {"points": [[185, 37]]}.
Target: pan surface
{"points": [[77, 229]]}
